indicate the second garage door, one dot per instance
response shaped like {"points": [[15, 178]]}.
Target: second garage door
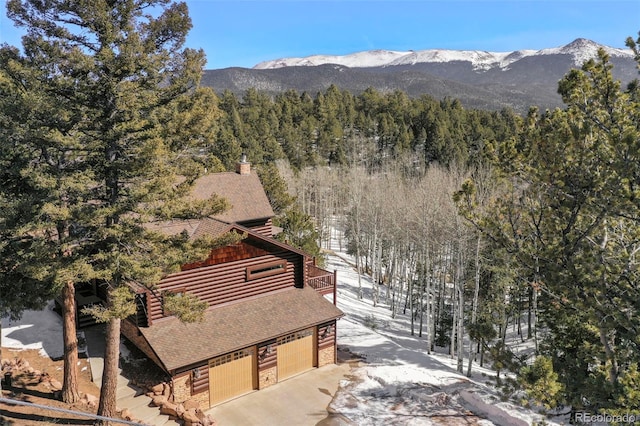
{"points": [[231, 375], [295, 354]]}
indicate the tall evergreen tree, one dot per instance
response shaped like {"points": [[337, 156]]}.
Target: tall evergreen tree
{"points": [[570, 215], [106, 124]]}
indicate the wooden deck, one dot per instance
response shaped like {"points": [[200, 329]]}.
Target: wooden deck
{"points": [[324, 282]]}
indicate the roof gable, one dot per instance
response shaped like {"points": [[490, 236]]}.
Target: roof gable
{"points": [[215, 228], [244, 192], [254, 245]]}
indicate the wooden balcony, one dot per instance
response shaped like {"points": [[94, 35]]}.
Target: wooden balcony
{"points": [[324, 282]]}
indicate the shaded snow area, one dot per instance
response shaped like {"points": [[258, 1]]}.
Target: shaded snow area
{"points": [[41, 330], [400, 384], [35, 330]]}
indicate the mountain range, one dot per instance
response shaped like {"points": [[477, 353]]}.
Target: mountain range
{"points": [[479, 79]]}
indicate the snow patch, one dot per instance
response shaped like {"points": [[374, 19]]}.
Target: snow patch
{"points": [[395, 396], [498, 416], [402, 384], [35, 330], [580, 49], [372, 58]]}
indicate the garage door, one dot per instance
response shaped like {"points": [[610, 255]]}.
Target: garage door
{"points": [[231, 375], [295, 354]]}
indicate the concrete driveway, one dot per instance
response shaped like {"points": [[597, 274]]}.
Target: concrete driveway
{"points": [[301, 400]]}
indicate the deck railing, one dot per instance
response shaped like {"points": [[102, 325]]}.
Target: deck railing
{"points": [[324, 282]]}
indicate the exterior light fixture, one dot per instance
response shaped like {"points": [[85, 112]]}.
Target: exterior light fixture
{"points": [[326, 331], [267, 351]]}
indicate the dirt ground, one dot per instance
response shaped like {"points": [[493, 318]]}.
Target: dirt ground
{"points": [[26, 387]]}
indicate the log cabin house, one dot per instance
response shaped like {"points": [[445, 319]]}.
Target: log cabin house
{"points": [[267, 320]]}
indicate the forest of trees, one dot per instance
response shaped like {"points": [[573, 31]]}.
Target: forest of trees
{"points": [[470, 222], [335, 127], [474, 223]]}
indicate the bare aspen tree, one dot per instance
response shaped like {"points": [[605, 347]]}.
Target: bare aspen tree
{"points": [[453, 273], [474, 305], [428, 304], [358, 186]]}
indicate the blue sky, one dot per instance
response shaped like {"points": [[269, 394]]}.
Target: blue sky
{"points": [[244, 33]]}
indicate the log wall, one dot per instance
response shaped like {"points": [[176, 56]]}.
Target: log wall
{"points": [[326, 335], [261, 227], [227, 282]]}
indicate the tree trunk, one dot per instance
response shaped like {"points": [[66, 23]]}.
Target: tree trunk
{"points": [[421, 308], [505, 326], [454, 321], [1, 352], [358, 252], [412, 307], [474, 308], [460, 331], [70, 393], [359, 265], [607, 343], [519, 314], [454, 303], [529, 313], [460, 316], [533, 319], [391, 282], [427, 304], [107, 405], [376, 265]]}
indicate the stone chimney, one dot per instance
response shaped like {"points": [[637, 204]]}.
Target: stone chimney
{"points": [[243, 167]]}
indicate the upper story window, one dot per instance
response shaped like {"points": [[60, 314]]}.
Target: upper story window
{"points": [[266, 269]]}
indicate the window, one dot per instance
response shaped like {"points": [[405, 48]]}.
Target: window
{"points": [[295, 336], [233, 356], [266, 269]]}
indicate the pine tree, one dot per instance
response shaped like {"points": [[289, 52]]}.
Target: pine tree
{"points": [[107, 130], [569, 215]]}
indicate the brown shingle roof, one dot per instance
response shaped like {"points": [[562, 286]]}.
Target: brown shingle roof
{"points": [[213, 228], [245, 195], [244, 192], [238, 325], [195, 228]]}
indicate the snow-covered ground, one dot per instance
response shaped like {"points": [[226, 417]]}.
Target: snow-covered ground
{"points": [[400, 383], [35, 330]]}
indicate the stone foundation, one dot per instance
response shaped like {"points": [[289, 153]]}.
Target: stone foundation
{"points": [[182, 392], [203, 400], [326, 356], [267, 377], [181, 388]]}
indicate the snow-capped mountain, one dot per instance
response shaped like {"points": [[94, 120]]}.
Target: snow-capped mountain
{"points": [[580, 50], [479, 79]]}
